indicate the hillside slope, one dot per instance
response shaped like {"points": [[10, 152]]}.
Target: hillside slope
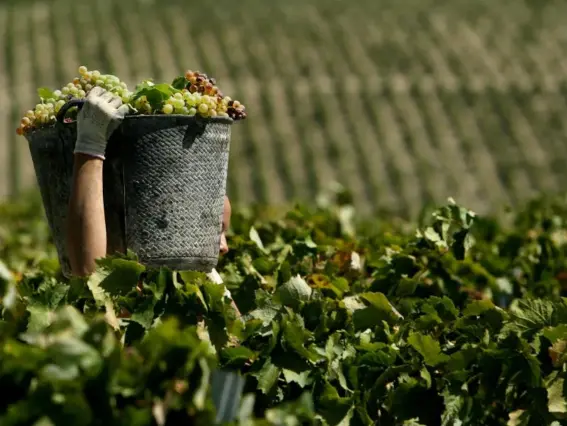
{"points": [[402, 101]]}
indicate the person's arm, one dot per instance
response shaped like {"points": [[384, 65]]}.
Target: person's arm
{"points": [[226, 215], [86, 236], [214, 275], [86, 226]]}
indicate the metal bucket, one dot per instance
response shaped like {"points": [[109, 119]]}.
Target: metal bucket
{"points": [[51, 150], [175, 170], [164, 180]]}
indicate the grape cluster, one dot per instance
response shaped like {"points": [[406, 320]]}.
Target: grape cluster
{"points": [[44, 113], [199, 95], [192, 104], [202, 96]]}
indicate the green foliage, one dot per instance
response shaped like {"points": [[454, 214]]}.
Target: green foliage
{"points": [[156, 94], [343, 324]]}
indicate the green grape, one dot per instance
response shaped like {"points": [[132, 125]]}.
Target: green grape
{"points": [[59, 105], [178, 103], [167, 109], [191, 101]]}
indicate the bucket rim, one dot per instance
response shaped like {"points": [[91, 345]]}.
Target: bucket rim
{"points": [[35, 131], [183, 117], [136, 117]]}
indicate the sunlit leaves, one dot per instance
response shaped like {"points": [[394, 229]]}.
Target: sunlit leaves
{"points": [[349, 328]]}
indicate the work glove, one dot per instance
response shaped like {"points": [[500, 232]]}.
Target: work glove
{"points": [[100, 116]]}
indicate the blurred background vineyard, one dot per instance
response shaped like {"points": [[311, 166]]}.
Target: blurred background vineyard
{"points": [[404, 102]]}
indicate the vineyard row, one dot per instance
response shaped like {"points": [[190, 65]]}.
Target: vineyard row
{"points": [[400, 109]]}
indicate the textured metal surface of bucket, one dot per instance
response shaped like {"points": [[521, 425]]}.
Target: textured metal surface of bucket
{"points": [[164, 181], [175, 169]]}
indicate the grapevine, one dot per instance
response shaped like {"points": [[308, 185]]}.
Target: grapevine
{"points": [[193, 94], [383, 313]]}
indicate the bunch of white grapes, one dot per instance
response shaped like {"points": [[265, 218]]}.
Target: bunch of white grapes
{"points": [[188, 103], [45, 113], [201, 96], [198, 96]]}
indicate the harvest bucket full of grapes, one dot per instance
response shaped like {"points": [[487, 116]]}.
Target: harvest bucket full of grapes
{"points": [[165, 170]]}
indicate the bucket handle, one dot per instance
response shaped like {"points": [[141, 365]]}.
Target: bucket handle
{"points": [[72, 103]]}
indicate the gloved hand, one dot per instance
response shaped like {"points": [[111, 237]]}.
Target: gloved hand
{"points": [[100, 116]]}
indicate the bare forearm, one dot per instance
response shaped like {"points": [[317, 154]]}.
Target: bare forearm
{"points": [[86, 232]]}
